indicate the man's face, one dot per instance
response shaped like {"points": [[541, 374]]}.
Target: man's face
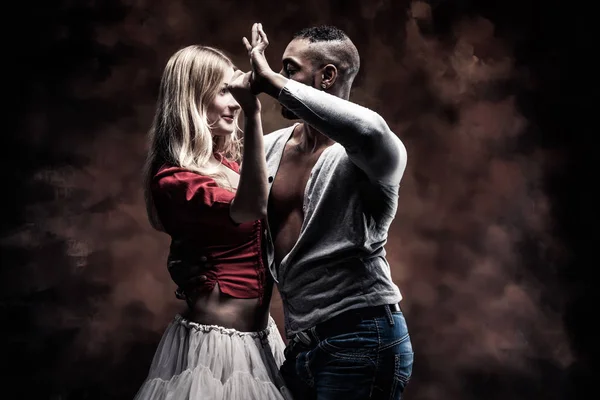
{"points": [[297, 65]]}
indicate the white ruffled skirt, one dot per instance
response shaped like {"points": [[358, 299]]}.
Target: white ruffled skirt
{"points": [[209, 362]]}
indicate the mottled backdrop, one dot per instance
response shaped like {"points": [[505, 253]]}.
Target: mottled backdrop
{"points": [[488, 245]]}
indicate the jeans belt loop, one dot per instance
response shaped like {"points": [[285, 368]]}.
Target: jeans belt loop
{"points": [[313, 331], [388, 314], [304, 338]]}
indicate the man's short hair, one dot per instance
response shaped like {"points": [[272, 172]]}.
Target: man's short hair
{"points": [[335, 47], [323, 33]]}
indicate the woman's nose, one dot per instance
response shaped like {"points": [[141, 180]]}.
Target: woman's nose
{"points": [[235, 105]]}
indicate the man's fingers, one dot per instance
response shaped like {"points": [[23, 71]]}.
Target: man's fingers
{"points": [[262, 34], [194, 284], [254, 34], [182, 272], [199, 280], [247, 44], [180, 294], [259, 39], [190, 287]]}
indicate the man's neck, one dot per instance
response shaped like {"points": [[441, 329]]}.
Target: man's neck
{"points": [[309, 139]]}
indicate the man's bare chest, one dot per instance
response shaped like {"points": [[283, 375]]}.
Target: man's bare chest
{"points": [[292, 177]]}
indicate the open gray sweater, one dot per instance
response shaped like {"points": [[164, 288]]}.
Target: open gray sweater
{"points": [[338, 262]]}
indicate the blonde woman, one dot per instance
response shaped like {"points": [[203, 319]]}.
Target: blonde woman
{"points": [[225, 345]]}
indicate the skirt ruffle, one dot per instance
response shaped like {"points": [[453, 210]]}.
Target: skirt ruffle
{"points": [[209, 362]]}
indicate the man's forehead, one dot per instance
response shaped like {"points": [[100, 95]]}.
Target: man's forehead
{"points": [[297, 48]]}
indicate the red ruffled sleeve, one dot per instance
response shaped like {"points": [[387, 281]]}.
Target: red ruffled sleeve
{"points": [[195, 190], [187, 200]]}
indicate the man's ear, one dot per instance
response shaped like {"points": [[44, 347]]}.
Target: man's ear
{"points": [[329, 75]]}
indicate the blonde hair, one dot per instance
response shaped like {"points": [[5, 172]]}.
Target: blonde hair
{"points": [[180, 134]]}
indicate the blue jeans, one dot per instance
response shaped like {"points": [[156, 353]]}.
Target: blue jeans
{"points": [[373, 361]]}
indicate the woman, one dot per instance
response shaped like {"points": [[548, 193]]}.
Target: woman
{"points": [[225, 346]]}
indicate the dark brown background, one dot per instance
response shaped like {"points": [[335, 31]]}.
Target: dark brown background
{"points": [[491, 245]]}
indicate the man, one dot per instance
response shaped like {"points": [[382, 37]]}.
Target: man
{"points": [[334, 181]]}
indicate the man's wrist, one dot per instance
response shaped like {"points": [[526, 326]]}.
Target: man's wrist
{"points": [[273, 83]]}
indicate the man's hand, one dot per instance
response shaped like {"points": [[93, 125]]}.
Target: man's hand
{"points": [[256, 50], [188, 277]]}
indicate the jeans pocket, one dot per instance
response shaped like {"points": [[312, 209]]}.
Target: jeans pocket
{"points": [[355, 345], [403, 365]]}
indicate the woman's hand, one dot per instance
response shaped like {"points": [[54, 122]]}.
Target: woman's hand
{"points": [[240, 89]]}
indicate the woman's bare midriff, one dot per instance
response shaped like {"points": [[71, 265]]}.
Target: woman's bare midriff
{"points": [[217, 308]]}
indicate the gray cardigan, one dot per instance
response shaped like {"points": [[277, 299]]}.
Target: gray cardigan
{"points": [[351, 197]]}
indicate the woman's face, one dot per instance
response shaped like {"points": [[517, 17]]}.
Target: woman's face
{"points": [[222, 111]]}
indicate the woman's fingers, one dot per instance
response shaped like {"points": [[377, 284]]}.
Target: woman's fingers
{"points": [[236, 75]]}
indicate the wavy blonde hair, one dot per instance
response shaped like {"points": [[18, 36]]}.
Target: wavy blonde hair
{"points": [[180, 134]]}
